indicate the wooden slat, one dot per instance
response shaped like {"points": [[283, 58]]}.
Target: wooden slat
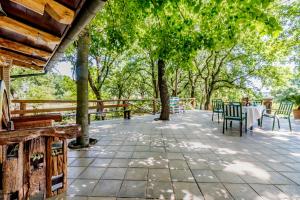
{"points": [[55, 117], [49, 110], [56, 10], [27, 31], [22, 58], [15, 46], [26, 65]]}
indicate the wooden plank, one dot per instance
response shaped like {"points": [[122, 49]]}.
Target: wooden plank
{"points": [[26, 65], [55, 117], [49, 110], [56, 10], [37, 6], [59, 12], [49, 168], [27, 31], [22, 58], [15, 46], [65, 132]]}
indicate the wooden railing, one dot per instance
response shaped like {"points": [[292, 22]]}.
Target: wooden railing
{"points": [[139, 106]]}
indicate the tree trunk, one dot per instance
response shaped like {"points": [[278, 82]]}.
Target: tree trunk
{"points": [[163, 91], [207, 100], [82, 88], [154, 81], [193, 92]]}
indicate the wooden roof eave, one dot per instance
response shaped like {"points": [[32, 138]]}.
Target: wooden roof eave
{"points": [[86, 14]]}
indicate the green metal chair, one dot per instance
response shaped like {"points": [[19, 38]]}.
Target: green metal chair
{"points": [[256, 102], [233, 111], [217, 107], [284, 112]]}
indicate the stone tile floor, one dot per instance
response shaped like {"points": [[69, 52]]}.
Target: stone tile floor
{"points": [[185, 158]]}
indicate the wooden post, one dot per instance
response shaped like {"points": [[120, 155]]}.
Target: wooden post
{"points": [[82, 88], [23, 107]]}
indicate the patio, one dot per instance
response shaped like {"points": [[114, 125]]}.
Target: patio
{"points": [[185, 158]]}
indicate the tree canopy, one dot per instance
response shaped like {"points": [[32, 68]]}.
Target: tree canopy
{"points": [[206, 49]]}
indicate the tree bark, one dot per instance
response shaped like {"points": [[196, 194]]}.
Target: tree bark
{"points": [[207, 100], [82, 88], [163, 91]]}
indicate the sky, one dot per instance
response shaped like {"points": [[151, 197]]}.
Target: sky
{"points": [[64, 68]]}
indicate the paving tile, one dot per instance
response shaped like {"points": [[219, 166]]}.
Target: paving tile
{"points": [[100, 162], [119, 163], [242, 191], [133, 189], [114, 173], [107, 188], [175, 156], [159, 175], [187, 191], [280, 167], [269, 192], [293, 191], [178, 164], [214, 191], [182, 175], [195, 164], [204, 176], [270, 163], [228, 177], [138, 174], [161, 190], [64, 197], [81, 162], [127, 154], [74, 172], [106, 154], [295, 177], [92, 173], [81, 187]]}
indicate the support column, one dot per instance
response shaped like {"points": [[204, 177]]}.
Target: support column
{"points": [[5, 75], [82, 88]]}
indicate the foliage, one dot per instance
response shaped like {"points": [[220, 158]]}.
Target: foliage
{"points": [[211, 49]]}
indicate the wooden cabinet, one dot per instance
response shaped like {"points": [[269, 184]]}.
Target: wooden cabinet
{"points": [[33, 162]]}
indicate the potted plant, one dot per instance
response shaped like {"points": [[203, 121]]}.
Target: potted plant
{"points": [[296, 100]]}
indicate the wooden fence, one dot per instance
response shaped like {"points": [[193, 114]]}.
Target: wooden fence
{"points": [[139, 106]]}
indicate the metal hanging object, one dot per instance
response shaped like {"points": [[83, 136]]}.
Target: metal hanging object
{"points": [[2, 13]]}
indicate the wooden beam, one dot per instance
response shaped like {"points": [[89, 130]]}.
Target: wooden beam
{"points": [[59, 12], [22, 58], [26, 65], [15, 46], [56, 10], [27, 31]]}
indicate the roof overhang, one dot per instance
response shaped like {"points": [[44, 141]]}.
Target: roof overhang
{"points": [[34, 34]]}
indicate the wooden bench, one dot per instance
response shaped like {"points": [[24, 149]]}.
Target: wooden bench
{"points": [[102, 113]]}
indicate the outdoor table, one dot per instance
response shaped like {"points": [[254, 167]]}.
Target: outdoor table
{"points": [[254, 113]]}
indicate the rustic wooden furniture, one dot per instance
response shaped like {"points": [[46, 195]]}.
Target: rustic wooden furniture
{"points": [[33, 160], [284, 111]]}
